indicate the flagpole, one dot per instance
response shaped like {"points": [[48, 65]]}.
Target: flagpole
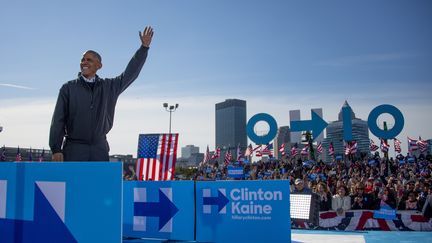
{"points": [[385, 140]]}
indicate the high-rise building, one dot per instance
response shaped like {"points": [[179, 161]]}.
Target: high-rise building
{"points": [[231, 125], [188, 150], [360, 134], [295, 116], [282, 137]]}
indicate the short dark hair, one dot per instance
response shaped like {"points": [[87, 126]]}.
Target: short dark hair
{"points": [[95, 54]]}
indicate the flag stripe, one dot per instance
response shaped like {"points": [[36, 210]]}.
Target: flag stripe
{"points": [[174, 157], [166, 159], [162, 154], [145, 169]]}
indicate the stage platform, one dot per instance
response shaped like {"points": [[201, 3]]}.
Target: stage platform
{"points": [[311, 236]]}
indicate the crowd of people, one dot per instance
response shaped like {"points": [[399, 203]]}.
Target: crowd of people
{"points": [[402, 183]]}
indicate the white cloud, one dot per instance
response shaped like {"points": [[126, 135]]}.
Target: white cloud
{"points": [[15, 86]]}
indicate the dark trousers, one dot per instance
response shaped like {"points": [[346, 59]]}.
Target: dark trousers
{"points": [[75, 151]]}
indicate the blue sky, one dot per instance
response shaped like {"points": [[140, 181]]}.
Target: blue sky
{"points": [[278, 55]]}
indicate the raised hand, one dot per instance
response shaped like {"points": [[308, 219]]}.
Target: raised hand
{"points": [[147, 36]]}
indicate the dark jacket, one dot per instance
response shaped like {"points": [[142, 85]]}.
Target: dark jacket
{"points": [[84, 114], [427, 208], [367, 201]]}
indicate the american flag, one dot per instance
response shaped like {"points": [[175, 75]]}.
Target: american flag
{"points": [[228, 157], [305, 150], [249, 151], [346, 148], [282, 149], [239, 153], [350, 147], [320, 148], [18, 156], [353, 147], [384, 146], [397, 145], [268, 150], [294, 151], [422, 145], [217, 153], [372, 146], [157, 155], [258, 150], [412, 145], [331, 150], [3, 154]]}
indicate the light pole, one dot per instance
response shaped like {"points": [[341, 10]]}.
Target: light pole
{"points": [[170, 109]]}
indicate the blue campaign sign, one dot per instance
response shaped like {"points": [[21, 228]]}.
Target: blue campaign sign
{"points": [[60, 202], [372, 162], [229, 211], [385, 212], [158, 209], [261, 139], [316, 125], [235, 172]]}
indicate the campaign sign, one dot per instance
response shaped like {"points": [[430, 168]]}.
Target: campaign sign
{"points": [[158, 209], [60, 202], [235, 172], [385, 212], [243, 211]]}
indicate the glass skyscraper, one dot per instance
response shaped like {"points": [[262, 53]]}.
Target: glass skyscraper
{"points": [[231, 125], [360, 133]]}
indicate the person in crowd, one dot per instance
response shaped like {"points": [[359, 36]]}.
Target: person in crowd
{"points": [[369, 188], [341, 202], [427, 207], [409, 188], [360, 199], [325, 196], [411, 203], [299, 187], [422, 196], [388, 197]]}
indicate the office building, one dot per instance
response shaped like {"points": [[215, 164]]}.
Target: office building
{"points": [[334, 131], [231, 125], [282, 137], [188, 150]]}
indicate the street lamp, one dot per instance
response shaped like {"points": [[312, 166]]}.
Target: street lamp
{"points": [[170, 109]]}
